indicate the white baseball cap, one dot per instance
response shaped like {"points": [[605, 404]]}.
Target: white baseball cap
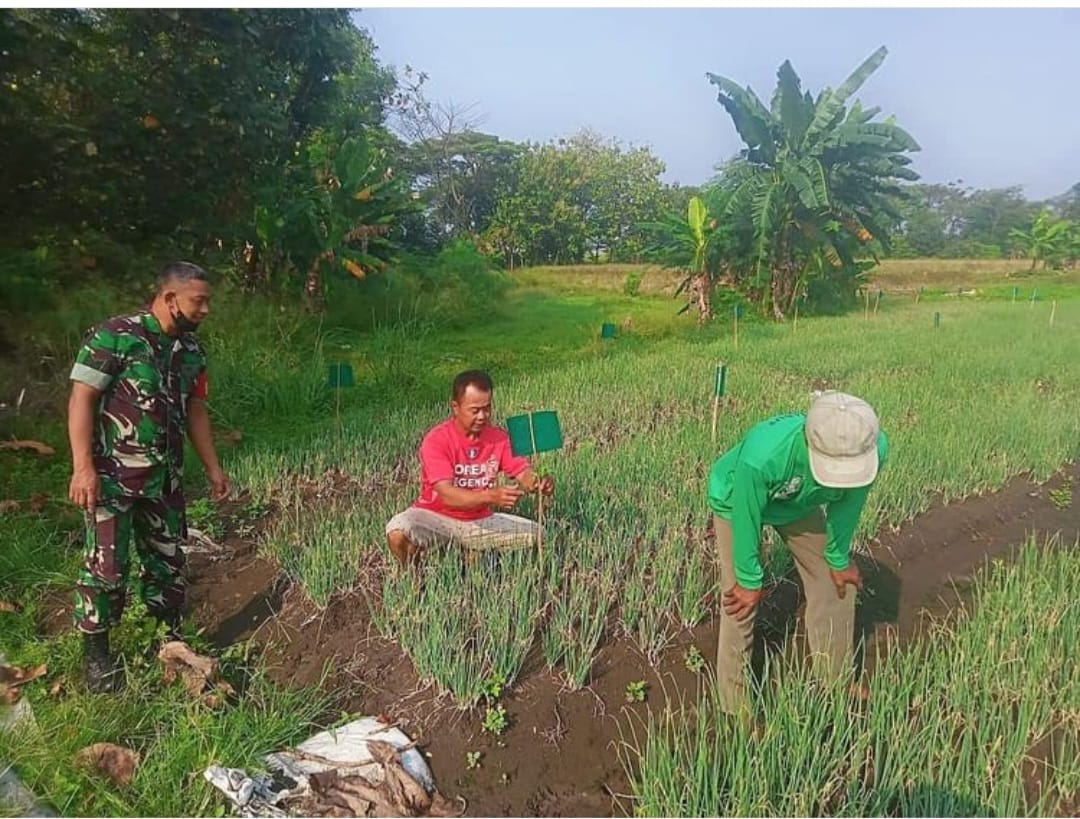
{"points": [[842, 436]]}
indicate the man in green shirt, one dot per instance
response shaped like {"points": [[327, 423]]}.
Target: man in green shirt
{"points": [[807, 476]]}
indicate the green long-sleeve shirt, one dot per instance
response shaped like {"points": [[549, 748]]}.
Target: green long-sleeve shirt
{"points": [[766, 478]]}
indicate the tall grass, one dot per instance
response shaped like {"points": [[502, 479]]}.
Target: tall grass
{"points": [[177, 736], [956, 723]]}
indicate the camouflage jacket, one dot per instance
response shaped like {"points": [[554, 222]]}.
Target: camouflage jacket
{"points": [[146, 378]]}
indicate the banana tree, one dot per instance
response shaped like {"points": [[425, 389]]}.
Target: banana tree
{"points": [[686, 243], [699, 282], [1048, 240], [342, 222], [815, 181]]}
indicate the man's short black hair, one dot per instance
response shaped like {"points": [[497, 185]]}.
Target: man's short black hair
{"points": [[476, 378], [180, 272]]}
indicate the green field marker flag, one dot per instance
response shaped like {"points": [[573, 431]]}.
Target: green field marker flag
{"points": [[721, 380], [534, 432], [1016, 292], [719, 388], [736, 315], [937, 319], [341, 375], [607, 331], [1034, 297], [531, 434]]}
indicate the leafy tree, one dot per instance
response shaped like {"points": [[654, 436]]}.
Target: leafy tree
{"points": [[815, 182], [1068, 204], [989, 218], [459, 178], [342, 219], [562, 202], [620, 190], [165, 123], [931, 218], [456, 169]]}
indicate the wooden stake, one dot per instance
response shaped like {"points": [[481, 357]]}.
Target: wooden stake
{"points": [[736, 321], [337, 420], [539, 520], [866, 308], [877, 302], [795, 325], [1053, 310], [718, 393], [539, 495]]}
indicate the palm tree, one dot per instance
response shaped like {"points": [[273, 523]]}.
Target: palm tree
{"points": [[813, 184]]}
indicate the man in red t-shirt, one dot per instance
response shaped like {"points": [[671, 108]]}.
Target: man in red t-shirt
{"points": [[460, 460]]}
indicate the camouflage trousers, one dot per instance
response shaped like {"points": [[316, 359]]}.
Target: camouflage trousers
{"points": [[156, 528]]}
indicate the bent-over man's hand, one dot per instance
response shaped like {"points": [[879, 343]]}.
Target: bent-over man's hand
{"points": [[740, 602], [85, 488], [219, 485], [504, 497], [842, 578], [546, 485]]}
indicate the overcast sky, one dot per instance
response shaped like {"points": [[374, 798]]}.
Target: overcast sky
{"points": [[992, 95]]}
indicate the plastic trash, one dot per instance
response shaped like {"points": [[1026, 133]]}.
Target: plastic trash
{"points": [[345, 749]]}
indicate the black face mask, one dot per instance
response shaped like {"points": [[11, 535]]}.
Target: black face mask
{"points": [[182, 322]]}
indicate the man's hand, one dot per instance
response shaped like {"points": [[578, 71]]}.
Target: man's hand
{"points": [[740, 602], [219, 485], [504, 497], [545, 485], [85, 488], [842, 578]]}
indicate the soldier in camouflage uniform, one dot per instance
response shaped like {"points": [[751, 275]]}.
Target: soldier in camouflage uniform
{"points": [[138, 383]]}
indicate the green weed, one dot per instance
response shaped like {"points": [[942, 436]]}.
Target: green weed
{"points": [[694, 660], [496, 720], [1062, 497], [636, 691]]}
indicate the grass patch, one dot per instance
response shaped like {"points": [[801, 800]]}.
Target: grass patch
{"points": [[176, 737]]}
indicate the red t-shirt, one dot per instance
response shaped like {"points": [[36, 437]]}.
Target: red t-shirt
{"points": [[447, 454]]}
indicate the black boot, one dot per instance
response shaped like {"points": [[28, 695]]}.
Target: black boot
{"points": [[100, 672]]}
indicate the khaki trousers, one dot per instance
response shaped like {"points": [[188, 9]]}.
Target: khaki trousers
{"points": [[429, 530], [830, 621]]}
